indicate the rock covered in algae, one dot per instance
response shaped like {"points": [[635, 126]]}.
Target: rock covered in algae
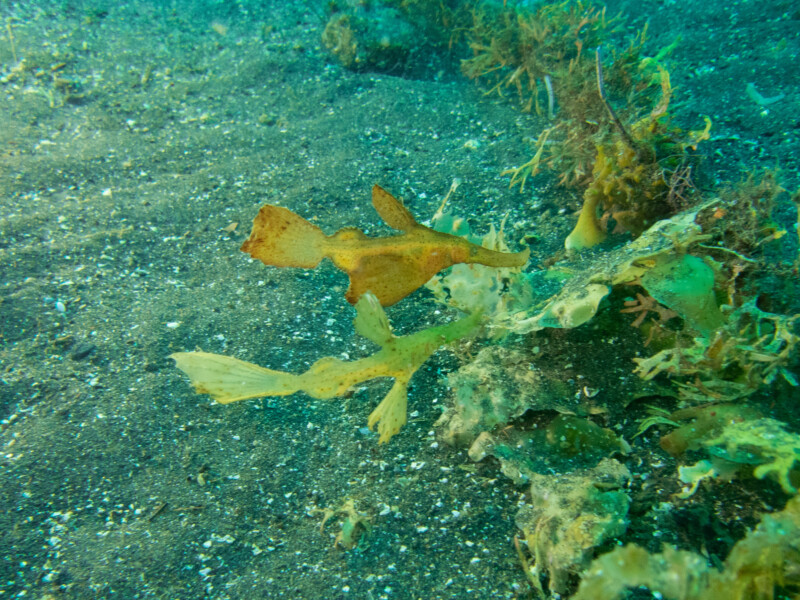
{"points": [[499, 385], [369, 37], [569, 515]]}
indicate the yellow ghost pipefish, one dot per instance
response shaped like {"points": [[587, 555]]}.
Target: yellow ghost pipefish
{"points": [[389, 267], [229, 379]]}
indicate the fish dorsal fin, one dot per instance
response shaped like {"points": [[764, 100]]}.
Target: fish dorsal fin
{"points": [[392, 210], [371, 321]]}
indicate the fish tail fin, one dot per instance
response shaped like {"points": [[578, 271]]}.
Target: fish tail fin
{"points": [[228, 379], [282, 238]]}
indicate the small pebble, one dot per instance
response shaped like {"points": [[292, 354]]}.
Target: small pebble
{"points": [[82, 350]]}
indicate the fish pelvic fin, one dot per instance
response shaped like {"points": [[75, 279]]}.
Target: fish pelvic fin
{"points": [[371, 321], [391, 277]]}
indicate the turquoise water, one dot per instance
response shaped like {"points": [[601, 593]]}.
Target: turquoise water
{"points": [[636, 385]]}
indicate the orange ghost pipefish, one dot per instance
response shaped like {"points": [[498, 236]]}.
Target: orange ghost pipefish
{"points": [[390, 267]]}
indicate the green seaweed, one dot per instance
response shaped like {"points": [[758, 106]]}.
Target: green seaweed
{"points": [[517, 48], [634, 165], [686, 284], [764, 442], [768, 557], [748, 352], [702, 423]]}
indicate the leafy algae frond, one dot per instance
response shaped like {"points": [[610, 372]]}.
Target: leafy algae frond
{"points": [[747, 353], [228, 379], [763, 441]]}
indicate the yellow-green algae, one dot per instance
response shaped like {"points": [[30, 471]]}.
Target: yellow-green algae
{"points": [[768, 556]]}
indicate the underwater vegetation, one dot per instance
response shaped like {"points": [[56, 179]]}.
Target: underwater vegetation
{"points": [[537, 53], [746, 352], [632, 162], [767, 557], [762, 442], [746, 220]]}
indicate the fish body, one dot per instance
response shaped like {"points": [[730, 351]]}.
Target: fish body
{"points": [[390, 267], [228, 379]]}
